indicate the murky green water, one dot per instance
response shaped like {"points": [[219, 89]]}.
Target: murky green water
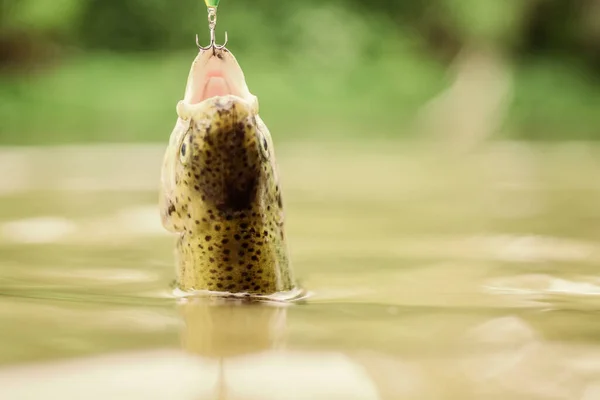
{"points": [[434, 276]]}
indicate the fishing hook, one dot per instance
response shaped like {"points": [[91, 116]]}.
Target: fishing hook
{"points": [[212, 23]]}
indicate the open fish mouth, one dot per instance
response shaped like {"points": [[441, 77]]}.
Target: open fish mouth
{"points": [[215, 74], [215, 86]]}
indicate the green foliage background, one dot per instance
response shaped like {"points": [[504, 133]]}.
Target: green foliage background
{"points": [[113, 70]]}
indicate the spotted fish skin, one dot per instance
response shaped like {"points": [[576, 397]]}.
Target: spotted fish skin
{"points": [[221, 195]]}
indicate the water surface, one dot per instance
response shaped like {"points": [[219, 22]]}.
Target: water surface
{"points": [[434, 276]]}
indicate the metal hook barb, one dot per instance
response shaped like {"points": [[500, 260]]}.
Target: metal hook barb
{"points": [[212, 23]]}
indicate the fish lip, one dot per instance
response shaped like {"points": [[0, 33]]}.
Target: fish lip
{"points": [[213, 107], [186, 110]]}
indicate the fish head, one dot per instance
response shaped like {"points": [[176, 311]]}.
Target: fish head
{"points": [[220, 157]]}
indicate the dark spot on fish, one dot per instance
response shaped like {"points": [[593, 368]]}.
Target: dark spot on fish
{"points": [[207, 238], [217, 227]]}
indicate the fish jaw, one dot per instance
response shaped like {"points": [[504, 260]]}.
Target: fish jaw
{"points": [[216, 73]]}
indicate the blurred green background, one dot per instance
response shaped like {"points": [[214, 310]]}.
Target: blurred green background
{"points": [[113, 70]]}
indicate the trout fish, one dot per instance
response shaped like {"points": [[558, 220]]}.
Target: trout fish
{"points": [[220, 191]]}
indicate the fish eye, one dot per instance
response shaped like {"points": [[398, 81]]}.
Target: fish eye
{"points": [[262, 143], [185, 149]]}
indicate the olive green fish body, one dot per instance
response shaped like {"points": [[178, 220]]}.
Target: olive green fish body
{"points": [[221, 195]]}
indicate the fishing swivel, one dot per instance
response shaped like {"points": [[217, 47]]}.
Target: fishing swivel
{"points": [[212, 23]]}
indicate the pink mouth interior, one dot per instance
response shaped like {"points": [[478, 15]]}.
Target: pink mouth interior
{"points": [[214, 84]]}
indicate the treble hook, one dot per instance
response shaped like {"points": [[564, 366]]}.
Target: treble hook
{"points": [[212, 22]]}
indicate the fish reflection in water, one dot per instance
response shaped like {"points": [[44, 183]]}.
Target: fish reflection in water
{"points": [[230, 351], [242, 351], [249, 343]]}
